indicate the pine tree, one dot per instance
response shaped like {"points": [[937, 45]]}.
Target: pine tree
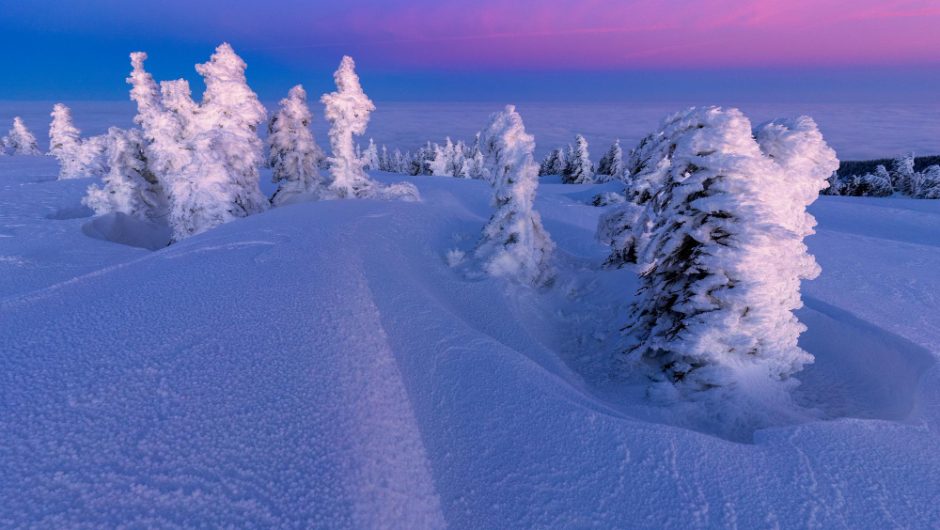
{"points": [[877, 184], [902, 174], [400, 162], [229, 115], [127, 188], [458, 159], [721, 252], [348, 110], [441, 162], [579, 169], [370, 157], [554, 163], [926, 184], [77, 158], [385, 163], [514, 243], [20, 141], [611, 165], [293, 154]]}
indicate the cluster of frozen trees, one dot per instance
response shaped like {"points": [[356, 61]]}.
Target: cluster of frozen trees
{"points": [[901, 179], [194, 165], [714, 219], [575, 166], [449, 159], [19, 140]]}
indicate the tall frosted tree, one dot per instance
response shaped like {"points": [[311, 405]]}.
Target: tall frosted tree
{"points": [[128, 187], [721, 253], [293, 153], [578, 168], [514, 242], [611, 167], [65, 144], [230, 114], [370, 157], [20, 141]]}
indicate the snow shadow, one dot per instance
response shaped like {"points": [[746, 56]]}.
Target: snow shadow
{"points": [[71, 212], [126, 230], [861, 370]]}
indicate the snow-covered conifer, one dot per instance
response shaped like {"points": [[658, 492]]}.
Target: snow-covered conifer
{"points": [[441, 163], [293, 153], [473, 162], [457, 158], [902, 174], [722, 254], [77, 158], [128, 187], [20, 141], [348, 110], [229, 115], [514, 242], [926, 184], [611, 165], [399, 163], [877, 184], [554, 163], [385, 161], [370, 157], [579, 169]]}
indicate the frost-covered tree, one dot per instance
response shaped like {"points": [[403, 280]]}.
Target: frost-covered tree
{"points": [[229, 116], [128, 187], [902, 174], [877, 184], [293, 153], [554, 163], [399, 163], [611, 165], [926, 184], [385, 160], [514, 242], [20, 141], [473, 162], [370, 157], [76, 158], [578, 168], [721, 253], [348, 110], [457, 159], [443, 160]]}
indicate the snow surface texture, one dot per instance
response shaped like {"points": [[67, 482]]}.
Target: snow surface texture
{"points": [[267, 374]]}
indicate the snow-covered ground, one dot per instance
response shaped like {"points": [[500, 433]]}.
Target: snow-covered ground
{"points": [[320, 365]]}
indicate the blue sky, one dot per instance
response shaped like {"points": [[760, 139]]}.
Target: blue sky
{"points": [[720, 51]]}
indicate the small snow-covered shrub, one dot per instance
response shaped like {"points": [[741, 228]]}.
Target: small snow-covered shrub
{"points": [[721, 254], [20, 141], [514, 242], [293, 154]]}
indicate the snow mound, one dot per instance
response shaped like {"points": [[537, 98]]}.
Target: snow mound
{"points": [[128, 230]]}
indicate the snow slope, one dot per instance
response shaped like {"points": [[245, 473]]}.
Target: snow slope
{"points": [[320, 365]]}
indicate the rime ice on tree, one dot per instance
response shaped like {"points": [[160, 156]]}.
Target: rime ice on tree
{"points": [[610, 167], [128, 187], [20, 141], [721, 254], [578, 168], [293, 152], [77, 158], [514, 243], [348, 110]]}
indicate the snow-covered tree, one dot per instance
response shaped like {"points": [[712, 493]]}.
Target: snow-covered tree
{"points": [[442, 161], [229, 115], [457, 159], [877, 184], [370, 157], [554, 163], [473, 162], [611, 165], [514, 242], [76, 158], [902, 174], [20, 141], [399, 163], [128, 187], [348, 110], [293, 153], [721, 253], [926, 184], [578, 168]]}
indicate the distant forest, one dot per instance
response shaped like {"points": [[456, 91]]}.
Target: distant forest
{"points": [[849, 168]]}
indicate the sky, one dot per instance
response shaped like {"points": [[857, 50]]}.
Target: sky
{"points": [[413, 50]]}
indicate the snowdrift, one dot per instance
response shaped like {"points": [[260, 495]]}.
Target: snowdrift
{"points": [[320, 365]]}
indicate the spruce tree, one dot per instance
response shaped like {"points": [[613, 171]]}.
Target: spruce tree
{"points": [[293, 154], [20, 141], [579, 169]]}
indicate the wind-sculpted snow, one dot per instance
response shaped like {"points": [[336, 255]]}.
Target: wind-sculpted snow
{"points": [[320, 365]]}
